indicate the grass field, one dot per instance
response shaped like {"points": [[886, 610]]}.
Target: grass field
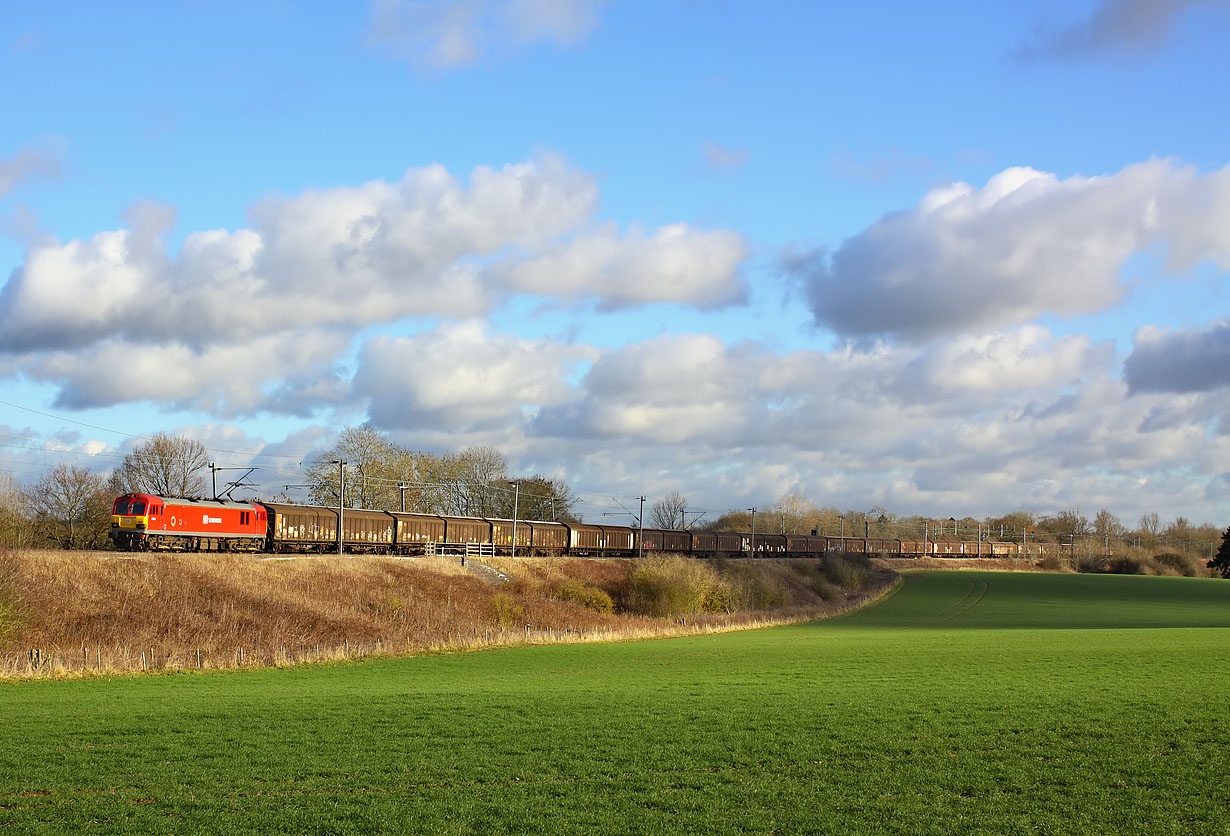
{"points": [[966, 703]]}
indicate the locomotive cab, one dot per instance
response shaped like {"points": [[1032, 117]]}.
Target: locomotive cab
{"points": [[131, 517]]}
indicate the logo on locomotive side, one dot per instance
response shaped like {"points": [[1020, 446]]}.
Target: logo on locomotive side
{"points": [[206, 519]]}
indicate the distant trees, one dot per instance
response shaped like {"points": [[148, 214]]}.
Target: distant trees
{"points": [[670, 511], [474, 482], [1107, 526], [13, 523], [1151, 524], [71, 507], [165, 465]]}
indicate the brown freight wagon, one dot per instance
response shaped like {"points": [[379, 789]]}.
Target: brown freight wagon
{"points": [[502, 535], [301, 527], [883, 545], [649, 539], [916, 548], [797, 544], [704, 542], [415, 531], [619, 539], [548, 538], [679, 542], [1005, 549], [586, 539], [767, 544], [729, 543], [846, 544], [463, 531], [368, 531]]}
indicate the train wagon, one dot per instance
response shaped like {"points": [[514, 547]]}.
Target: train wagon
{"points": [[768, 544], [883, 545], [649, 540], [301, 528], [466, 531], [368, 531], [502, 535], [674, 540], [620, 540], [586, 539], [415, 531], [548, 538], [142, 522]]}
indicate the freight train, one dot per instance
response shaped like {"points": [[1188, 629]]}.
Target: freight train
{"points": [[144, 522]]}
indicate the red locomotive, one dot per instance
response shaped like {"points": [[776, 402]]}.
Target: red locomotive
{"points": [[141, 521]]}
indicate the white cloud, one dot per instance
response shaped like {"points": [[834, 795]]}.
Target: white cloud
{"points": [[452, 33], [673, 264], [1024, 245], [314, 269], [461, 377]]}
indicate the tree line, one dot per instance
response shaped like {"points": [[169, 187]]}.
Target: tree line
{"points": [[70, 506]]}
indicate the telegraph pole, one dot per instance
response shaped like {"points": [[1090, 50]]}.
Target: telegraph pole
{"points": [[752, 545], [341, 501], [640, 540], [516, 496]]}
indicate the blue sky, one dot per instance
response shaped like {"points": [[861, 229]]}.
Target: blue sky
{"points": [[951, 259]]}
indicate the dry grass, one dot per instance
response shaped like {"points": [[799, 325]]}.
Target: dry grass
{"points": [[74, 612], [989, 564]]}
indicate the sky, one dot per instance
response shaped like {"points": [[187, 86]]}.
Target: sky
{"points": [[949, 259]]}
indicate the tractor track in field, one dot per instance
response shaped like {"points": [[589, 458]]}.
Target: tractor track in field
{"points": [[965, 606]]}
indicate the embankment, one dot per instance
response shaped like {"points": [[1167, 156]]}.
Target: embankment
{"points": [[65, 613]]}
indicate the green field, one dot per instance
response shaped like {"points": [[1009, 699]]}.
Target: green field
{"points": [[966, 703]]}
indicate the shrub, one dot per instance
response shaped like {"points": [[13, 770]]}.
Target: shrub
{"points": [[1052, 563], [674, 586], [590, 597], [846, 570], [1090, 563], [1172, 563], [505, 610], [1125, 565]]}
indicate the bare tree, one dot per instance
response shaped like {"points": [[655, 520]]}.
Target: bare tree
{"points": [[372, 460], [14, 525], [71, 507], [669, 511], [1107, 526], [165, 465], [538, 498], [796, 514], [1151, 524]]}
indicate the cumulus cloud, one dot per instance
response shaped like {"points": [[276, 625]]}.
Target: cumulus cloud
{"points": [[1026, 244], [674, 263], [331, 262], [223, 379], [1137, 26], [460, 376], [454, 33], [1193, 360], [1024, 418], [348, 257]]}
